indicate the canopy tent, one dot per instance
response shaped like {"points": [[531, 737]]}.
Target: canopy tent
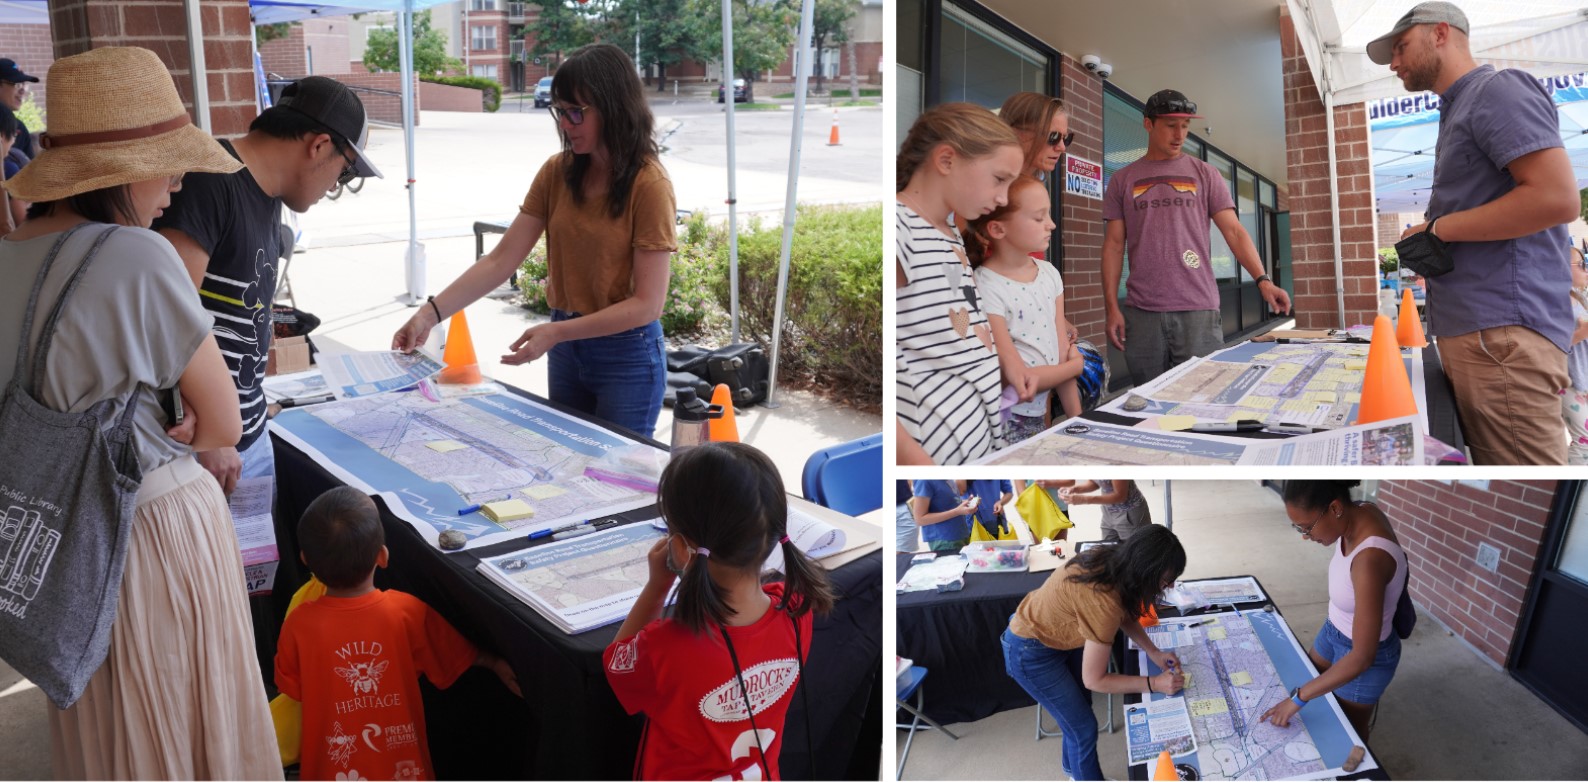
{"points": [[1405, 132], [1544, 37], [278, 11]]}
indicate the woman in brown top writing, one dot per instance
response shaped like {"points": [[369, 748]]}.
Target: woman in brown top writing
{"points": [[1060, 638], [606, 207]]}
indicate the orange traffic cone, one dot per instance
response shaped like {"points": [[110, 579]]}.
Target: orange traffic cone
{"points": [[1409, 331], [462, 366], [724, 429], [1386, 390], [1150, 618], [1165, 771], [832, 138]]}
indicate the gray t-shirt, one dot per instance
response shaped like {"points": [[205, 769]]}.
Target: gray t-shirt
{"points": [[134, 318], [1487, 120], [1168, 206]]}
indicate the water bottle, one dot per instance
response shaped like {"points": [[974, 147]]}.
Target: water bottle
{"points": [[692, 420]]}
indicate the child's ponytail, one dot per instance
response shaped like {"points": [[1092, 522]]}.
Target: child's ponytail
{"points": [[806, 588], [701, 601]]}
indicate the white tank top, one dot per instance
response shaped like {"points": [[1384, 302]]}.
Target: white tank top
{"points": [[1342, 594]]}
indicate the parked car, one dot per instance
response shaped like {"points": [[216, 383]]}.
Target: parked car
{"points": [[543, 93], [741, 91]]}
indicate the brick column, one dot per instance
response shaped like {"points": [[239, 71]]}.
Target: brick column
{"points": [[161, 27], [1081, 224], [1311, 221]]}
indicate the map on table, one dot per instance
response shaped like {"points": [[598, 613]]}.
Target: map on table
{"points": [[429, 460], [1311, 384], [581, 583], [1396, 441], [1237, 665]]}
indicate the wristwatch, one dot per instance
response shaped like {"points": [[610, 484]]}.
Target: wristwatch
{"points": [[1295, 697], [1263, 279]]}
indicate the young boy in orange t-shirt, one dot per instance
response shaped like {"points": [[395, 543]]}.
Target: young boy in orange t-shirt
{"points": [[353, 657]]}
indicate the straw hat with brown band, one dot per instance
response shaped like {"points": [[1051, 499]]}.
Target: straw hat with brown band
{"points": [[114, 118]]}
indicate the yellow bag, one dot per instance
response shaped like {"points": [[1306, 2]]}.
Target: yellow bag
{"points": [[978, 533], [1041, 513], [286, 713]]}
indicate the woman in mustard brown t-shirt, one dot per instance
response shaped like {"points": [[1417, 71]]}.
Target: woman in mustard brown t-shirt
{"points": [[606, 207], [1060, 638]]}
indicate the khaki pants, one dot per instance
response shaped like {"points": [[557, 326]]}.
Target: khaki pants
{"points": [[1507, 382]]}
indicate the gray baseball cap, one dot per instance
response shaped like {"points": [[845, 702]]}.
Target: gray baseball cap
{"points": [[1382, 49]]}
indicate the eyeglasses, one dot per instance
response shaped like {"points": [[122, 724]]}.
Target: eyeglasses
{"points": [[350, 171], [176, 181], [575, 114], [1310, 527], [1054, 138]]}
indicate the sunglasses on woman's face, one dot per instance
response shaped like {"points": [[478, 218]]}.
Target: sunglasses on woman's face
{"points": [[1054, 138], [575, 114]]}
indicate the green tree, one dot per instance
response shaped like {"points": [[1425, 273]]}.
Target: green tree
{"points": [[665, 33], [562, 27], [430, 49], [830, 21], [762, 34]]}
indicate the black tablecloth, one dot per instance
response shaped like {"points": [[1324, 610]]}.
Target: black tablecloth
{"points": [[955, 636], [1132, 667], [569, 725], [1443, 423]]}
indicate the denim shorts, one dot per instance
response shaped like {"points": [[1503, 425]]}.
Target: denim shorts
{"points": [[1367, 688]]}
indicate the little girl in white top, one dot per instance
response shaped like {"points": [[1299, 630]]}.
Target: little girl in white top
{"points": [[1024, 302]]}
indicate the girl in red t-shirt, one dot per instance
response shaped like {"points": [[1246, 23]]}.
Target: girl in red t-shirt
{"points": [[715, 679]]}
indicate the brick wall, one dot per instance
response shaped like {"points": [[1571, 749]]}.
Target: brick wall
{"points": [[1311, 221], [1440, 525], [29, 45], [285, 56], [161, 26], [385, 105], [445, 97], [1081, 223], [1389, 230]]}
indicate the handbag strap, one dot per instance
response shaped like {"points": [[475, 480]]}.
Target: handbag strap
{"points": [[19, 374], [48, 336]]}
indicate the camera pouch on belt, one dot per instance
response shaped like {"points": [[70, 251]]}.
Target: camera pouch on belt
{"points": [[1424, 253]]}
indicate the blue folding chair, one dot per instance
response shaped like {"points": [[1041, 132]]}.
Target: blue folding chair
{"points": [[911, 685], [846, 477]]}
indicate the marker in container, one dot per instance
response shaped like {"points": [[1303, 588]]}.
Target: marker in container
{"points": [[1243, 425]]}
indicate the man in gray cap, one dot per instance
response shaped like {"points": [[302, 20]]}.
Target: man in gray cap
{"points": [[226, 228], [1503, 190]]}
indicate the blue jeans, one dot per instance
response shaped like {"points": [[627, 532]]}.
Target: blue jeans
{"points": [[1053, 677], [618, 378], [904, 530], [1332, 645]]}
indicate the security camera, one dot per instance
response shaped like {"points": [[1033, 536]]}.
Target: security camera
{"points": [[1091, 61], [1105, 70]]}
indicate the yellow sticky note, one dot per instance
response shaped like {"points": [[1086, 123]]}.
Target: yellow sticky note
{"points": [[445, 446], [1240, 678], [1353, 397], [1176, 423], [1209, 706], [1264, 402], [544, 491], [1216, 634], [1356, 365], [1188, 681], [1323, 396], [1244, 415], [507, 510]]}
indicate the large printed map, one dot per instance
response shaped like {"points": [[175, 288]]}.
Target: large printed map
{"points": [[1237, 666], [431, 459]]}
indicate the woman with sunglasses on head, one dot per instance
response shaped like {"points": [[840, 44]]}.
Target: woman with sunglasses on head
{"points": [[605, 205], [1357, 650], [179, 693], [1061, 637]]}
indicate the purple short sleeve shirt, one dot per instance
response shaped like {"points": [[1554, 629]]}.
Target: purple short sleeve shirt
{"points": [[1167, 206], [1489, 119]]}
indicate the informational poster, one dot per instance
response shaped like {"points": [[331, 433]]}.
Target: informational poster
{"points": [[1082, 177]]}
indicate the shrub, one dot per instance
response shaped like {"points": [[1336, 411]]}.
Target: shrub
{"points": [[492, 89], [532, 280], [691, 306], [832, 331], [31, 115]]}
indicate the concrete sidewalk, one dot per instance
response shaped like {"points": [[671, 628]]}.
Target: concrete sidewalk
{"points": [[1448, 714]]}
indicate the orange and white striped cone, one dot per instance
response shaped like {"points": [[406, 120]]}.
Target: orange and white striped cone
{"points": [[832, 138]]}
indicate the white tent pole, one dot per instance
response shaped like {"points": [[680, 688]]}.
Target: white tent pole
{"points": [[197, 69], [733, 201], [405, 52], [807, 17], [1334, 208]]}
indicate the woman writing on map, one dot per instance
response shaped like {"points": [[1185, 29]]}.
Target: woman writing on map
{"points": [[605, 206], [1357, 650], [1060, 638]]}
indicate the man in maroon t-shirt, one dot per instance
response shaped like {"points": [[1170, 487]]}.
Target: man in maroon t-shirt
{"points": [[1160, 205]]}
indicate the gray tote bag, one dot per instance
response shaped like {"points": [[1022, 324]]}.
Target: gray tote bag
{"points": [[67, 495]]}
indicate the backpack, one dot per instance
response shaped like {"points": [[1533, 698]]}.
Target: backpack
{"points": [[67, 499]]}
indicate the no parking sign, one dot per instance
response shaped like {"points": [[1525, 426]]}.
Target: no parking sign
{"points": [[1082, 177]]}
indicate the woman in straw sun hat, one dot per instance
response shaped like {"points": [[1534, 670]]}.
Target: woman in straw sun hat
{"points": [[179, 694]]}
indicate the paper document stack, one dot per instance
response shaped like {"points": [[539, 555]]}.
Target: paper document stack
{"points": [[580, 583]]}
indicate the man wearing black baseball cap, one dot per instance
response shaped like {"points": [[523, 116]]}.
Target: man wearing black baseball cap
{"points": [[13, 90], [227, 228], [1502, 193], [1160, 206]]}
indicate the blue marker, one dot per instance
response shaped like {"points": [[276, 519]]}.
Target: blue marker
{"points": [[475, 508]]}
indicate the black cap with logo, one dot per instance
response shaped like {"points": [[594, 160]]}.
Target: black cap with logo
{"points": [[11, 73], [1170, 103], [331, 104]]}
